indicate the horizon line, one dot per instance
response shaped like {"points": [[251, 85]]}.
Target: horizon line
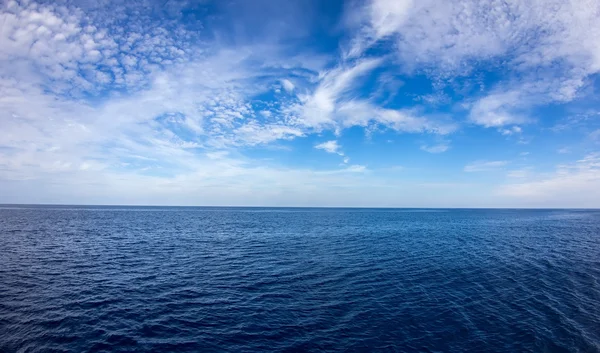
{"points": [[300, 207]]}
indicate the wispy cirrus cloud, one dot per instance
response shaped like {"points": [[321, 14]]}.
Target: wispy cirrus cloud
{"points": [[439, 148], [362, 113], [519, 173], [484, 166], [570, 185]]}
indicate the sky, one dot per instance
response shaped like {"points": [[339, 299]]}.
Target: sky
{"points": [[380, 103]]}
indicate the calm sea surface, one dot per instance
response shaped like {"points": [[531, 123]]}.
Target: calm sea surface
{"points": [[110, 279]]}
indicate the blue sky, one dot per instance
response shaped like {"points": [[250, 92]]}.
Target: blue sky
{"points": [[390, 103]]}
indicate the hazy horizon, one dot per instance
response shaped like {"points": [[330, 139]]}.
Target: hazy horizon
{"points": [[64, 205]]}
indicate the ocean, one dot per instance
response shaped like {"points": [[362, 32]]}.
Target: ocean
{"points": [[187, 279]]}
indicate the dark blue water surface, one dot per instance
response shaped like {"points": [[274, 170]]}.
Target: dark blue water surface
{"points": [[91, 279]]}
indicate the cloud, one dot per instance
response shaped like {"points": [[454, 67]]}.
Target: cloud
{"points": [[318, 109], [334, 104], [330, 147], [545, 50], [439, 148], [252, 133], [287, 85], [356, 168], [571, 185], [363, 113], [484, 166], [563, 150], [519, 173], [454, 34], [83, 52], [86, 95], [138, 101], [511, 131], [497, 110]]}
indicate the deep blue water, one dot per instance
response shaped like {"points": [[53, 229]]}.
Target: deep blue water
{"points": [[91, 279]]}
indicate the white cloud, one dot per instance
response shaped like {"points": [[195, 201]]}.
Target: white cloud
{"points": [[333, 105], [198, 104], [287, 85], [484, 166], [496, 110], [172, 97], [99, 96], [330, 147], [450, 33], [318, 109], [571, 185], [549, 47], [362, 113], [177, 113], [356, 168], [59, 44], [511, 130], [519, 173], [252, 133], [439, 148], [217, 154]]}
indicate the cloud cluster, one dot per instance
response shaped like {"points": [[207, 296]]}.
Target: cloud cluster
{"points": [[143, 96], [73, 52], [547, 49]]}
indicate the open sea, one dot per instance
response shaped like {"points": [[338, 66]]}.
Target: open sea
{"points": [[179, 279]]}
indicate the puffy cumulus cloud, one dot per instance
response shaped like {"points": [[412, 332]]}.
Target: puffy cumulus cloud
{"points": [[570, 185], [75, 52], [287, 85]]}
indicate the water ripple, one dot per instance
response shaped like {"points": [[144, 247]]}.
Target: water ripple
{"points": [[99, 279]]}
